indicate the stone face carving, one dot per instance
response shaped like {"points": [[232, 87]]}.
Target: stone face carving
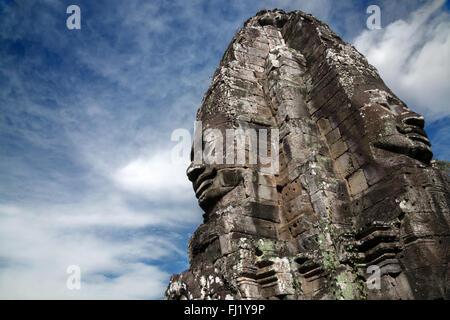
{"points": [[355, 191]]}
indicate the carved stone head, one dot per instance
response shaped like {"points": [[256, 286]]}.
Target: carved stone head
{"points": [[355, 187], [391, 126]]}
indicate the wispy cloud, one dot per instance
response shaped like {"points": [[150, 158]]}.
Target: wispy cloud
{"points": [[154, 177], [412, 56]]}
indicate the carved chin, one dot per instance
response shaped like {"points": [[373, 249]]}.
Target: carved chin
{"points": [[211, 196]]}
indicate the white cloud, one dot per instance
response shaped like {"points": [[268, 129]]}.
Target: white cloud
{"points": [[155, 177], [36, 249], [412, 57]]}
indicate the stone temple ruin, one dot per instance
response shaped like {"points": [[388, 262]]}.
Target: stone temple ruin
{"points": [[358, 210]]}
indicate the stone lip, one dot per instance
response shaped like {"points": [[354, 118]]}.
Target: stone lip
{"points": [[356, 190]]}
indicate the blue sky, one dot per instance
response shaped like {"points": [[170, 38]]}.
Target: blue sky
{"points": [[86, 118]]}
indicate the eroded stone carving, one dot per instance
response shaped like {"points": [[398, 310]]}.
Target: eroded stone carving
{"points": [[355, 186]]}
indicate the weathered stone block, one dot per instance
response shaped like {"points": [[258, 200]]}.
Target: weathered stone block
{"points": [[344, 164], [333, 136], [249, 225], [262, 211], [324, 126], [338, 148], [357, 182], [249, 288]]}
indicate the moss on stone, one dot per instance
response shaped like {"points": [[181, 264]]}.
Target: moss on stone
{"points": [[345, 286]]}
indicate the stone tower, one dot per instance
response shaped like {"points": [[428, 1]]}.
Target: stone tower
{"points": [[355, 208]]}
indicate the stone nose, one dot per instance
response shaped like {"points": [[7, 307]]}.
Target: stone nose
{"points": [[194, 170]]}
